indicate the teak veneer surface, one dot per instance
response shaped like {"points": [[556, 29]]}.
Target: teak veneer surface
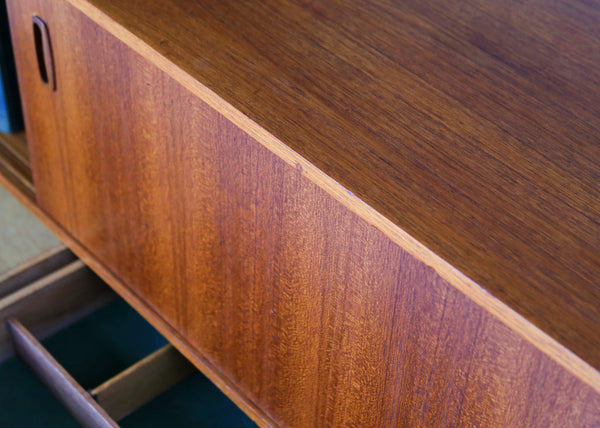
{"points": [[303, 312], [313, 315], [474, 126]]}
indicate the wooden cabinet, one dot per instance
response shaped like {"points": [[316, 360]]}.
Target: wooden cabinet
{"points": [[277, 258]]}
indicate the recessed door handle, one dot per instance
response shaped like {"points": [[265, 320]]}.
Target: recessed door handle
{"points": [[43, 50]]}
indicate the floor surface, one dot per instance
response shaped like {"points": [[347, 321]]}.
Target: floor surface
{"points": [[22, 236]]}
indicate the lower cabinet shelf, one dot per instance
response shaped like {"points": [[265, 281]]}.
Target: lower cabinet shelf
{"points": [[107, 367], [15, 163]]}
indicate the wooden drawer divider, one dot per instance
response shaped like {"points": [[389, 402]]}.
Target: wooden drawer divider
{"points": [[53, 301], [63, 290], [81, 405], [143, 381], [35, 268], [115, 398]]}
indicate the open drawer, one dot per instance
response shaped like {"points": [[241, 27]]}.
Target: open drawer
{"points": [[102, 360]]}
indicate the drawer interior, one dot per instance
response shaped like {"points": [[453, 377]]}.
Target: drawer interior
{"points": [[99, 347]]}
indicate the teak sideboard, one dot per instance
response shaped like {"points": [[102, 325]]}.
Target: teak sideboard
{"points": [[344, 213]]}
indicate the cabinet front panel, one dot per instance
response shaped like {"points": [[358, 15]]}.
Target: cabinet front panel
{"points": [[43, 111], [315, 315]]}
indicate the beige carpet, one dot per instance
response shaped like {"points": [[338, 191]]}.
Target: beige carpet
{"points": [[22, 236]]}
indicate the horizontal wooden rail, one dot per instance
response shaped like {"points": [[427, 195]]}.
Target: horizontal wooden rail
{"points": [[142, 382], [14, 161], [53, 302], [35, 268]]}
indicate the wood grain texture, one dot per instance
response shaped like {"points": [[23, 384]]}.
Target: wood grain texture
{"points": [[143, 307], [17, 144], [14, 160], [472, 127], [142, 382], [315, 315], [66, 389]]}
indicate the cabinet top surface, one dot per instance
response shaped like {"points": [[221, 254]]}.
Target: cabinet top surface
{"points": [[474, 126]]}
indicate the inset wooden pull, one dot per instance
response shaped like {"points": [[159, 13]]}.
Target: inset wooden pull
{"points": [[43, 50]]}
